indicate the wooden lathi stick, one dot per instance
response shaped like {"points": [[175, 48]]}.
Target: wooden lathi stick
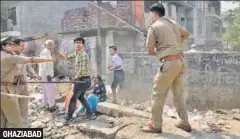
{"points": [[18, 96]]}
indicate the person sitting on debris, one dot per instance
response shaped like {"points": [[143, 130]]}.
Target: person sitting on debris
{"points": [[97, 94]]}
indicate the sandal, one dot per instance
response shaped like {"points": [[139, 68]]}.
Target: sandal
{"points": [[150, 129]]}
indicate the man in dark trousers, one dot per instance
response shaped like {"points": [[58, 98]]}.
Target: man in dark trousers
{"points": [[82, 78]]}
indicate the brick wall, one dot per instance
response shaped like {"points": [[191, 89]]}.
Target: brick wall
{"points": [[86, 17]]}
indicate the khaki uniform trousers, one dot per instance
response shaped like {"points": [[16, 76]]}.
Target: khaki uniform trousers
{"points": [[10, 113], [23, 105], [169, 76]]}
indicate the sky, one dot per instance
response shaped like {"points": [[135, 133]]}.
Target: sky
{"points": [[227, 5]]}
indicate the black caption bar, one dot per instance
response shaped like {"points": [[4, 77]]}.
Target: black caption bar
{"points": [[22, 133]]}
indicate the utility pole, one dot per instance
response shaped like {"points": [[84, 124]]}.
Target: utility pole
{"points": [[99, 42]]}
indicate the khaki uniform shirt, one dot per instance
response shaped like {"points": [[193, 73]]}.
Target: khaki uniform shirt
{"points": [[24, 69], [8, 66], [165, 36]]}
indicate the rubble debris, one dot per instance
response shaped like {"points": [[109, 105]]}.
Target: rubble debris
{"points": [[119, 111], [236, 117], [228, 126], [221, 122], [214, 127], [52, 124], [221, 111]]}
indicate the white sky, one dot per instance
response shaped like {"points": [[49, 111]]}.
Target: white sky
{"points": [[227, 5]]}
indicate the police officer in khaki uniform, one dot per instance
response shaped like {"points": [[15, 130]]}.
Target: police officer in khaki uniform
{"points": [[10, 113], [22, 70], [165, 41]]}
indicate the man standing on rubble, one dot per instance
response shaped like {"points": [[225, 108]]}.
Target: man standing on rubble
{"points": [[47, 70], [20, 78], [82, 78], [10, 113], [164, 40]]}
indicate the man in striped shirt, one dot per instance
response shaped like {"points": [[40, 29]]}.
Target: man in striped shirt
{"points": [[82, 78]]}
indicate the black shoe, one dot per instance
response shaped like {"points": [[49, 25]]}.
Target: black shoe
{"points": [[67, 121], [92, 116]]}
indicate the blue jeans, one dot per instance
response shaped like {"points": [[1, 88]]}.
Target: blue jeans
{"points": [[78, 93]]}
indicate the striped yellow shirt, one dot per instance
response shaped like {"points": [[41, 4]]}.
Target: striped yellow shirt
{"points": [[82, 61]]}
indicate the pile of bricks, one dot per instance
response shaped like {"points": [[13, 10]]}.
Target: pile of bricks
{"points": [[86, 17]]}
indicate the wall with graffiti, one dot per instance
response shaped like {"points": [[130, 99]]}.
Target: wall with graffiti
{"points": [[212, 80]]}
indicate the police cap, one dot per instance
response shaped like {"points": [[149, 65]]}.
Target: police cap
{"points": [[6, 40]]}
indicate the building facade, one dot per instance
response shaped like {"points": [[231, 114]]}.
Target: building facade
{"points": [[201, 18]]}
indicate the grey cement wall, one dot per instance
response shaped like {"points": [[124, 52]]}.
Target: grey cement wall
{"points": [[35, 17], [66, 45], [212, 80]]}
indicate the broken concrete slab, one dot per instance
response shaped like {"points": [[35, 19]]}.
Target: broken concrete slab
{"points": [[236, 117], [98, 128], [119, 111]]}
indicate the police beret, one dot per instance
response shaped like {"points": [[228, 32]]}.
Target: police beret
{"points": [[6, 40]]}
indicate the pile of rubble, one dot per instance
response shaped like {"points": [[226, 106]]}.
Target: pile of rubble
{"points": [[209, 121], [108, 125], [52, 122]]}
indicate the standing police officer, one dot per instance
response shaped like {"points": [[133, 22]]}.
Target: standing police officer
{"points": [[10, 113], [165, 40]]}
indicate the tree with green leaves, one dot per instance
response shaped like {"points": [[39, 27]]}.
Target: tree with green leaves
{"points": [[232, 34]]}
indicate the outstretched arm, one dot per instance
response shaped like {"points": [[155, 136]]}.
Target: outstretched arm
{"points": [[67, 56], [22, 59]]}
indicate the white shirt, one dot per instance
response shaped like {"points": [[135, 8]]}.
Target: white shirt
{"points": [[46, 68], [117, 61]]}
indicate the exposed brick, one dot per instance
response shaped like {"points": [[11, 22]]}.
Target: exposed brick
{"points": [[86, 17]]}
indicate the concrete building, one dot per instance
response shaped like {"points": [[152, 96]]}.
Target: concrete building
{"points": [[71, 19], [201, 18], [33, 17]]}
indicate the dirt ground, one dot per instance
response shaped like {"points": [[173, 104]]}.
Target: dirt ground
{"points": [[206, 124]]}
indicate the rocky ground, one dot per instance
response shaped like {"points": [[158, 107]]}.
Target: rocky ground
{"points": [[218, 124]]}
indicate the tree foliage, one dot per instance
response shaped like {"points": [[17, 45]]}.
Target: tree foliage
{"points": [[232, 34]]}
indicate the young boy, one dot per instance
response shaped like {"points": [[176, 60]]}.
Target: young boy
{"points": [[118, 73]]}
